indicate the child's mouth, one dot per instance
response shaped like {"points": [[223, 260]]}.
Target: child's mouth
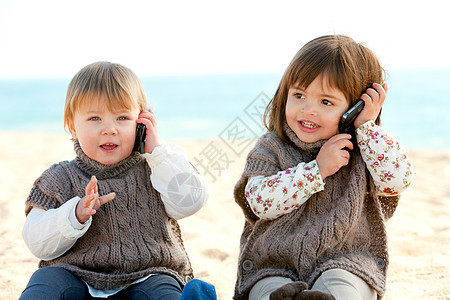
{"points": [[309, 125], [108, 147]]}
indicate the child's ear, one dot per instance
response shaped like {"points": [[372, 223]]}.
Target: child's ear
{"points": [[72, 130]]}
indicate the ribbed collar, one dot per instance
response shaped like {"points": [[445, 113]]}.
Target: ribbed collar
{"points": [[101, 171], [308, 148]]}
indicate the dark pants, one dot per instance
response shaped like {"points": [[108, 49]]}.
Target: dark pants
{"points": [[57, 283]]}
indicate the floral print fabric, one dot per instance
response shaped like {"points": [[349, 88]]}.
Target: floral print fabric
{"points": [[279, 194]]}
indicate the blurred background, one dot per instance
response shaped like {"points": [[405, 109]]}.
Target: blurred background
{"points": [[203, 62]]}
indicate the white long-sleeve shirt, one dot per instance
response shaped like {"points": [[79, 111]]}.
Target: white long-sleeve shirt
{"points": [[50, 233], [273, 196]]}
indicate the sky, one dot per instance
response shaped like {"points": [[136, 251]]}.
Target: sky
{"points": [[56, 38]]}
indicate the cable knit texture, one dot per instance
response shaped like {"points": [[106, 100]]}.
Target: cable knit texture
{"points": [[130, 237], [339, 227]]}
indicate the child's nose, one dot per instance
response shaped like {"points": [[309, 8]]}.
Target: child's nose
{"points": [[109, 128], [309, 108]]}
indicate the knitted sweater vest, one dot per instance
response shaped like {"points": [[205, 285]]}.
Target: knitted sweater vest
{"points": [[339, 227], [130, 237]]}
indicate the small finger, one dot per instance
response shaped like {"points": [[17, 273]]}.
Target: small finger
{"points": [[87, 201], [147, 114], [150, 110], [381, 89], [373, 93], [346, 157], [91, 187], [381, 93], [343, 140], [94, 185], [347, 144], [367, 99], [340, 136], [92, 204], [147, 121], [151, 117], [106, 198], [90, 201]]}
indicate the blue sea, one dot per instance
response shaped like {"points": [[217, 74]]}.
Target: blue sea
{"points": [[416, 112]]}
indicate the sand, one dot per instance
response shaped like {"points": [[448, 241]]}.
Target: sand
{"points": [[419, 232]]}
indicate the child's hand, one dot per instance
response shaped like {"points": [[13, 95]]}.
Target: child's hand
{"points": [[332, 155], [373, 101], [88, 205], [148, 118]]}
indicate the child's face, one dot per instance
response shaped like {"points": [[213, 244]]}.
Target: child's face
{"points": [[314, 113], [105, 136]]}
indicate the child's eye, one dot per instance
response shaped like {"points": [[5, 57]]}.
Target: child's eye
{"points": [[327, 102], [94, 118], [122, 118], [299, 96]]}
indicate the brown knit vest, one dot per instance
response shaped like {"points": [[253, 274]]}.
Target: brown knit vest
{"points": [[339, 227], [130, 237]]}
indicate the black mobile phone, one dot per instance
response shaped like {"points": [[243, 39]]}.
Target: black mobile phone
{"points": [[346, 125], [139, 143]]}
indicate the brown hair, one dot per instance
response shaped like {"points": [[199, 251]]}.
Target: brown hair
{"points": [[348, 66], [113, 84]]}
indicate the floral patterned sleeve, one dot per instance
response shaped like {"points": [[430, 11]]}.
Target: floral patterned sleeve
{"points": [[388, 164], [279, 194]]}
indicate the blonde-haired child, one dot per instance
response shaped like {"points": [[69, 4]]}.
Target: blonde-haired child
{"points": [[105, 224]]}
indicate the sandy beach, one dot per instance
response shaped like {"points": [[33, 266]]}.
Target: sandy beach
{"points": [[419, 232]]}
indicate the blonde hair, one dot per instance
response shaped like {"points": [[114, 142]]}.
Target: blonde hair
{"points": [[111, 84], [347, 65]]}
